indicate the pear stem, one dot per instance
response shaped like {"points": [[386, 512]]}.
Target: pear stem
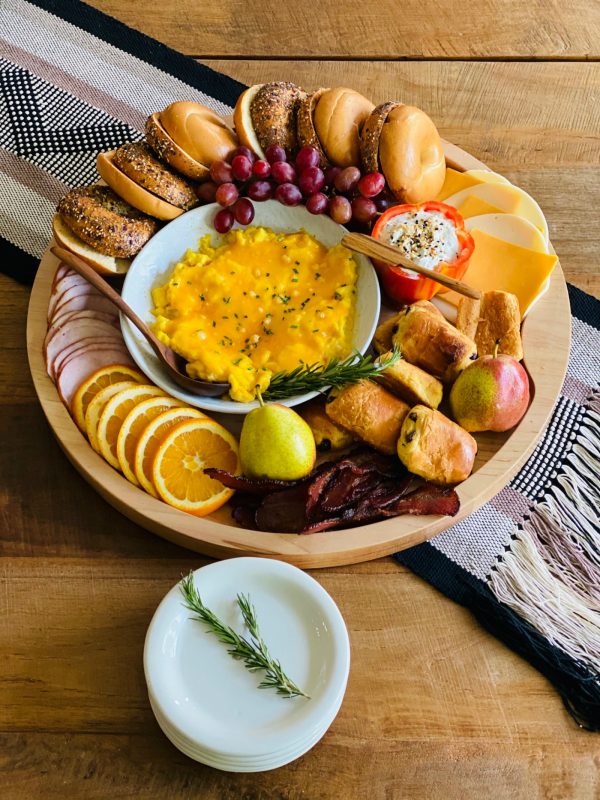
{"points": [[496, 348], [261, 402]]}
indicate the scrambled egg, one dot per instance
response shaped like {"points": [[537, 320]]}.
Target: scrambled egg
{"points": [[259, 303]]}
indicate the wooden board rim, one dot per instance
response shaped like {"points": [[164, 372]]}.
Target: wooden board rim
{"points": [[351, 545]]}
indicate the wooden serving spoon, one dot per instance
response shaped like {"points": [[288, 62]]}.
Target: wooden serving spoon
{"points": [[173, 363], [372, 248]]}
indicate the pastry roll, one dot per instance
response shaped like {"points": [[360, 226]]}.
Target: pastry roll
{"points": [[382, 340], [411, 383], [370, 413], [328, 435], [434, 447], [433, 344], [467, 316], [499, 322]]}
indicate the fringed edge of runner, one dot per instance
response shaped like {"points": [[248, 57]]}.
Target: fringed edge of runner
{"points": [[549, 575]]}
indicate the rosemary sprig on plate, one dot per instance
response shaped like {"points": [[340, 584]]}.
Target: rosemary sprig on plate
{"points": [[253, 651], [316, 377]]}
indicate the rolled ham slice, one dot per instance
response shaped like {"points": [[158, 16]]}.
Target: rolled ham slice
{"points": [[80, 365]]}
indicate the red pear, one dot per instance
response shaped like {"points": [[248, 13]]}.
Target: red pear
{"points": [[491, 394]]}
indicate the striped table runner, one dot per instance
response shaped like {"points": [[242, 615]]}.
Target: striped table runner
{"points": [[74, 82]]}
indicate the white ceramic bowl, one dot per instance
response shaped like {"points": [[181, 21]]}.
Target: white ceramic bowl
{"points": [[152, 266], [209, 704]]}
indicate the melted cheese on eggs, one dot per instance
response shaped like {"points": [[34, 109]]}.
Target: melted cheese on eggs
{"points": [[259, 303]]}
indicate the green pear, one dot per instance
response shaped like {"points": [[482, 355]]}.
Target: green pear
{"points": [[276, 443]]}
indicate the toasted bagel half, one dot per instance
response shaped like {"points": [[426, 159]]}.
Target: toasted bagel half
{"points": [[104, 265]]}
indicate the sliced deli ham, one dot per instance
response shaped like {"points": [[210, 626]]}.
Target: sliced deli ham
{"points": [[73, 291], [82, 364], [90, 343], [85, 313], [73, 332], [94, 302]]}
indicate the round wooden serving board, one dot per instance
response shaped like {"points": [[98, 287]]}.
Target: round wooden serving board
{"points": [[546, 342]]}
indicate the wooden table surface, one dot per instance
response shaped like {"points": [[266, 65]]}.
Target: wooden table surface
{"points": [[435, 706]]}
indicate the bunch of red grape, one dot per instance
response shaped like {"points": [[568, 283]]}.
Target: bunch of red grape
{"points": [[344, 194]]}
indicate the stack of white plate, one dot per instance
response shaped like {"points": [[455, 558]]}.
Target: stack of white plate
{"points": [[209, 705]]}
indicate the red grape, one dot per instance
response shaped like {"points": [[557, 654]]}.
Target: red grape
{"points": [[244, 151], [317, 203], [243, 211], [259, 190], [220, 172], [206, 191], [307, 157], [223, 221], [241, 167], [227, 194], [311, 180], [288, 194], [363, 209], [283, 172], [346, 180], [372, 184], [262, 169], [330, 175], [383, 202], [340, 209], [275, 153]]}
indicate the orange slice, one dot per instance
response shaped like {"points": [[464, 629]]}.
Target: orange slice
{"points": [[113, 416], [133, 425], [150, 439], [96, 407], [105, 376], [178, 469]]}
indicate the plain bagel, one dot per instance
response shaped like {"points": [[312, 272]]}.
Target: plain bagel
{"points": [[403, 142], [171, 153], [339, 115], [106, 222], [198, 131]]}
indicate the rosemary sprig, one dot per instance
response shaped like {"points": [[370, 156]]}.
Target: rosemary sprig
{"points": [[253, 651], [316, 377]]}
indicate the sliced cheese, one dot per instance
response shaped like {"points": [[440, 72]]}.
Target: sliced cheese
{"points": [[498, 264], [474, 207], [507, 198], [511, 228], [456, 181], [487, 176]]}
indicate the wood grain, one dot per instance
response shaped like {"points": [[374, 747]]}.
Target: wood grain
{"points": [[435, 706], [471, 718], [358, 30]]}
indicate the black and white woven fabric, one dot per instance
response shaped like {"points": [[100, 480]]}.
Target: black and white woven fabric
{"points": [[74, 82]]}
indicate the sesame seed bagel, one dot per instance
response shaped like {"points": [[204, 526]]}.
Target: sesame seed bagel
{"points": [[139, 163], [305, 124], [273, 110], [101, 219], [369, 138]]}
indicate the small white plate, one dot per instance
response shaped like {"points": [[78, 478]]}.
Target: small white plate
{"points": [[211, 700], [154, 263]]}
